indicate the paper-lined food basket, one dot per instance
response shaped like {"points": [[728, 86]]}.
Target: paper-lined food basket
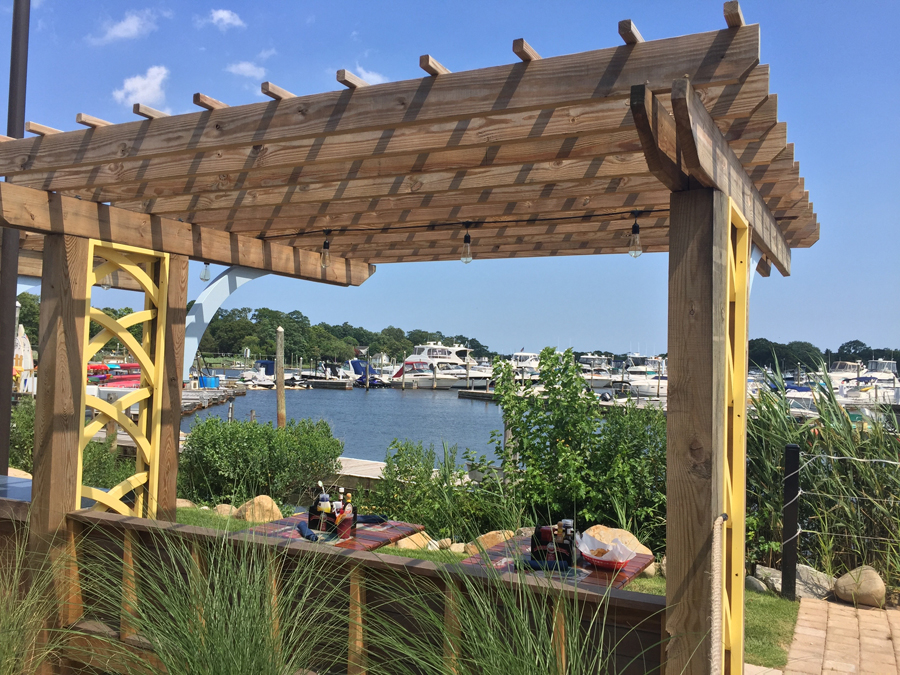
{"points": [[611, 556]]}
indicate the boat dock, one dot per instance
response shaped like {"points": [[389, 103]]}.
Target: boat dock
{"points": [[193, 400], [331, 384]]}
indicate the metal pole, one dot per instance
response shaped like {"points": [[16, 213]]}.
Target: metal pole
{"points": [[790, 520], [281, 415], [9, 257]]}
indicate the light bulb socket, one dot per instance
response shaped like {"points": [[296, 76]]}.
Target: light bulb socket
{"points": [[635, 229], [467, 239]]}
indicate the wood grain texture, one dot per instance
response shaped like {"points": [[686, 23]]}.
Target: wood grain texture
{"points": [[38, 211], [31, 264], [356, 647], [90, 121], [712, 162], [274, 91], [170, 429], [524, 50], [59, 413], [734, 17], [656, 129], [146, 111], [349, 80], [208, 102], [629, 32], [40, 129], [695, 432], [432, 66]]}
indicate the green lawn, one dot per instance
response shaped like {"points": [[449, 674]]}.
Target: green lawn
{"points": [[768, 623], [436, 556]]}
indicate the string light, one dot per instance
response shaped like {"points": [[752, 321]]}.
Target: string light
{"points": [[204, 273], [634, 243], [467, 247], [326, 251]]}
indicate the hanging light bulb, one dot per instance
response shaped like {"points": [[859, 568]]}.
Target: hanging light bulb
{"points": [[326, 252], [634, 243], [204, 273], [466, 256], [106, 282]]}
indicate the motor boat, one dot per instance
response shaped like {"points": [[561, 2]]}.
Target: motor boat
{"points": [[453, 361], [842, 371], [526, 360], [596, 370], [656, 386], [422, 375]]}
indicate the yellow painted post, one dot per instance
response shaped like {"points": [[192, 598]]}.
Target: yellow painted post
{"points": [[738, 276]]}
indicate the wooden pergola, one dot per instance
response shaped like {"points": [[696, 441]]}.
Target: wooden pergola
{"points": [[543, 157]]}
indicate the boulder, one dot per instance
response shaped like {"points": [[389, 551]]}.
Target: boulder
{"points": [[649, 572], [457, 548], [417, 541], [444, 544], [607, 534], [810, 582], [862, 586], [204, 508], [754, 584], [18, 473], [185, 504], [261, 509], [225, 510], [488, 540]]}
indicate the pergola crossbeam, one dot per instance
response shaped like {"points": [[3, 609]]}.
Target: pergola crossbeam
{"points": [[48, 213]]}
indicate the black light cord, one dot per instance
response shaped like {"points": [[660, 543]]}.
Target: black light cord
{"points": [[462, 223]]}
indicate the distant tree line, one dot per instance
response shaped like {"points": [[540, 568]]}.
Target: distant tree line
{"points": [[765, 353]]}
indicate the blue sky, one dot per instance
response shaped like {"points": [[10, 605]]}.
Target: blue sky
{"points": [[837, 89]]}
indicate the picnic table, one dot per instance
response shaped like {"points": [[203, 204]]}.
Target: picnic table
{"points": [[368, 537], [502, 557]]}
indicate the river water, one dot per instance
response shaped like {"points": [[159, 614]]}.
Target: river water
{"points": [[367, 422]]}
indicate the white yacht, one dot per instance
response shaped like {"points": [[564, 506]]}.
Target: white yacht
{"points": [[526, 360], [422, 375], [453, 361], [845, 370], [646, 375], [884, 372], [596, 370]]}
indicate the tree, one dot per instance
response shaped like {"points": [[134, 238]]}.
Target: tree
{"points": [[29, 316], [854, 350]]}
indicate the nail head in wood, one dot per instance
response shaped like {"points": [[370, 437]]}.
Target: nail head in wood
{"points": [[525, 51], [734, 17], [275, 91], [349, 80], [91, 121], [208, 102], [40, 129], [431, 66], [629, 32], [148, 112]]}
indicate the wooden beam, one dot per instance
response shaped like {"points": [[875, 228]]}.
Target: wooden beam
{"points": [[734, 17], [656, 129], [711, 161], [148, 112], [525, 51], [431, 65], [6, 138], [349, 80], [59, 415], [31, 264], [208, 102], [276, 92], [170, 428], [763, 267], [40, 129], [712, 59], [629, 32], [51, 213], [91, 121], [695, 429]]}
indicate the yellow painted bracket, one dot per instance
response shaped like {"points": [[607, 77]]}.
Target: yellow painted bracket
{"points": [[734, 489], [151, 271]]}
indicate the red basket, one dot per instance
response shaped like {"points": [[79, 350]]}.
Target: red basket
{"points": [[604, 564]]}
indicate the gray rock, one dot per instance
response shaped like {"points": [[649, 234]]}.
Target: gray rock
{"points": [[650, 572], [444, 543], [862, 586], [662, 567], [770, 577], [810, 582], [754, 584]]}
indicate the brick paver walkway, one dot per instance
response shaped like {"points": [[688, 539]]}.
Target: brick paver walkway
{"points": [[836, 638]]}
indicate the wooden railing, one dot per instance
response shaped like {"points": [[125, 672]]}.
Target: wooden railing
{"points": [[633, 622]]}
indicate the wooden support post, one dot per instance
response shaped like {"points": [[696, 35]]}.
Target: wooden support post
{"points": [[279, 377], [356, 646], [60, 411], [559, 635], [695, 429], [452, 628], [170, 427], [128, 609]]}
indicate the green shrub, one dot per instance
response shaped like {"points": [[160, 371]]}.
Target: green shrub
{"points": [[21, 435], [566, 458], [442, 499], [234, 461]]}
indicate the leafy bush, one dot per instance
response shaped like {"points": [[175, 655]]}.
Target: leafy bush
{"points": [[235, 461], [442, 499], [566, 458], [101, 467]]}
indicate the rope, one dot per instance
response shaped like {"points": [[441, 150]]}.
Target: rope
{"points": [[853, 459], [717, 652]]}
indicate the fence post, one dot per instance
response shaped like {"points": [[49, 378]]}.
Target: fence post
{"points": [[790, 520]]}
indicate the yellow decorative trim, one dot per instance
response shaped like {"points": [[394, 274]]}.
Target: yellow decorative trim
{"points": [[106, 335], [127, 339]]}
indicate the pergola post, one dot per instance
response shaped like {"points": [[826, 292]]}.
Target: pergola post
{"points": [[698, 238], [59, 416], [170, 428]]}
